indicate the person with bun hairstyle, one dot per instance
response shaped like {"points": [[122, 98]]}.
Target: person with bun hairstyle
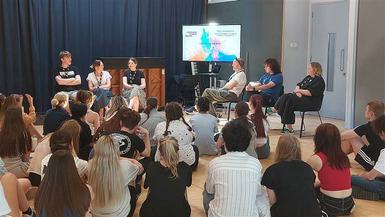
{"points": [[167, 180], [58, 114], [99, 82], [151, 117]]}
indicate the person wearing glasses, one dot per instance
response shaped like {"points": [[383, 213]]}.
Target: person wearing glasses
{"points": [[269, 85]]}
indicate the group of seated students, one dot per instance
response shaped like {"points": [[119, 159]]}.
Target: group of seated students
{"points": [[86, 168]]}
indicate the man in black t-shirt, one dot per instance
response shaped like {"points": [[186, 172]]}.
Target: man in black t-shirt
{"points": [[363, 140], [67, 77], [129, 137]]}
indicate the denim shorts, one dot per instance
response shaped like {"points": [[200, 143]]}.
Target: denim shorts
{"points": [[335, 206]]}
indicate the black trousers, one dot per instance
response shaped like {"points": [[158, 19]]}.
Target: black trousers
{"points": [[267, 99], [290, 102]]}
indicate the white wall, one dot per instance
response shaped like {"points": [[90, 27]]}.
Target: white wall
{"points": [[294, 41]]}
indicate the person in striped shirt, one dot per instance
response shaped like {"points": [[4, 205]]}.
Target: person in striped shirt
{"points": [[233, 184]]}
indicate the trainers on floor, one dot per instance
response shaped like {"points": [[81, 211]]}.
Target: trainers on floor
{"points": [[361, 193], [286, 130], [190, 110]]}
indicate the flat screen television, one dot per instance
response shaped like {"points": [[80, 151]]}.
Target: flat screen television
{"points": [[211, 43]]}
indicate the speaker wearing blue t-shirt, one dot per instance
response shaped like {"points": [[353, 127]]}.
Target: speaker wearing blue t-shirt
{"points": [[269, 86]]}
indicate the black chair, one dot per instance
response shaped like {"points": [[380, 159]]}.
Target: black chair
{"points": [[303, 111], [272, 104], [231, 102]]}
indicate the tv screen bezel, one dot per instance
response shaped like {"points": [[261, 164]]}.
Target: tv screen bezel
{"points": [[227, 24]]}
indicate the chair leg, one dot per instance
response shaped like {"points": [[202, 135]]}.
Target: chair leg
{"points": [[302, 124], [319, 115], [228, 111], [283, 128]]}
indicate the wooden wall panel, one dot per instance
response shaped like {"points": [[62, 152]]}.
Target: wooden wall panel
{"points": [[155, 83]]}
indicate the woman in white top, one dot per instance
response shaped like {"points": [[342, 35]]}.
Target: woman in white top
{"points": [[99, 82], [110, 176], [177, 127]]}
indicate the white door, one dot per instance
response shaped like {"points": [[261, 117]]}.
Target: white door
{"points": [[329, 41]]}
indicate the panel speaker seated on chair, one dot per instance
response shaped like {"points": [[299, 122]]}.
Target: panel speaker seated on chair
{"points": [[307, 96]]}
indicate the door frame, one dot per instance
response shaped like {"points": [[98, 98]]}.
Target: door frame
{"points": [[350, 58]]}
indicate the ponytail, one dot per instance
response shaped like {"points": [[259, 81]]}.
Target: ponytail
{"points": [[257, 117], [152, 103]]}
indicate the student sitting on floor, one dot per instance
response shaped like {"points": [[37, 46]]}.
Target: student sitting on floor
{"points": [[290, 182], [150, 118], [362, 140], [62, 191], [371, 185], [16, 143], [63, 140], [110, 177], [233, 183], [79, 112], [167, 180], [55, 116], [111, 121], [261, 126], [12, 197], [333, 168], [205, 126], [177, 127]]}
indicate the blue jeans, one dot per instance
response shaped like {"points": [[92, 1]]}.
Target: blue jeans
{"points": [[375, 185], [335, 206]]}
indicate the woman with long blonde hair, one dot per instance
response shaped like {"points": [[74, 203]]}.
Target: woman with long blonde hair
{"points": [[289, 182], [109, 176], [167, 181]]}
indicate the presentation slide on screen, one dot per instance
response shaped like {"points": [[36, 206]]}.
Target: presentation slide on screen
{"points": [[220, 43]]}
